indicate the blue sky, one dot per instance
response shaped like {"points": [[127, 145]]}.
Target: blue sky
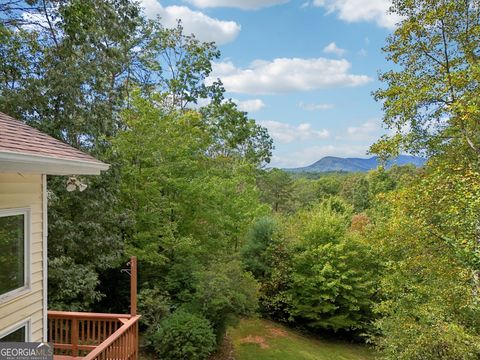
{"points": [[304, 69]]}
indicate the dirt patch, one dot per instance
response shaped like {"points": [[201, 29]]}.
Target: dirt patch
{"points": [[262, 342], [226, 350], [277, 332]]}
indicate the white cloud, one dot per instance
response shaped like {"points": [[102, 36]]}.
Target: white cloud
{"points": [[284, 75], [362, 52], [243, 105], [368, 131], [309, 155], [249, 105], [315, 107], [286, 133], [362, 10], [332, 48], [36, 21], [204, 27], [240, 4]]}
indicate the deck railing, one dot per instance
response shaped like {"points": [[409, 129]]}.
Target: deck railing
{"points": [[93, 336]]}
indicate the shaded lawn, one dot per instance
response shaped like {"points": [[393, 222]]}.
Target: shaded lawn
{"points": [[257, 339]]}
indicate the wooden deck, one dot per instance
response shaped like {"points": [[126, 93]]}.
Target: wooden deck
{"points": [[93, 336], [96, 336]]}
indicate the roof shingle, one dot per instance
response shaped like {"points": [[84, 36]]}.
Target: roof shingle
{"points": [[19, 138]]}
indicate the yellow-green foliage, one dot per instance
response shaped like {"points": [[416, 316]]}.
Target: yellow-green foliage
{"points": [[316, 272], [430, 306], [333, 274]]}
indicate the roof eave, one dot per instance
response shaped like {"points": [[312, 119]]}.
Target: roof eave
{"points": [[26, 163]]}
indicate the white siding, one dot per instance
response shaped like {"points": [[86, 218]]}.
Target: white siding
{"points": [[25, 191]]}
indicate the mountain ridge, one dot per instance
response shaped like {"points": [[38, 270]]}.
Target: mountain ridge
{"points": [[333, 163]]}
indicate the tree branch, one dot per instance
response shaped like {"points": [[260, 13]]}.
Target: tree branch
{"points": [[447, 60], [50, 26]]}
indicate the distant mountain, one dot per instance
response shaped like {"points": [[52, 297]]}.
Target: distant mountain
{"points": [[331, 163]]}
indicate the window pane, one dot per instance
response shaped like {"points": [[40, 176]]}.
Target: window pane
{"points": [[16, 336], [12, 263]]}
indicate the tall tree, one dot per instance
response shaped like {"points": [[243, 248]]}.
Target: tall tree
{"points": [[65, 68], [68, 68], [430, 96], [276, 187], [182, 64]]}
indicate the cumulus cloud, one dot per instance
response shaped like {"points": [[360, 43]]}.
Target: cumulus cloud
{"points": [[361, 10], [286, 133], [239, 4], [369, 130], [284, 75], [249, 105], [315, 107], [309, 155], [204, 27], [332, 48]]}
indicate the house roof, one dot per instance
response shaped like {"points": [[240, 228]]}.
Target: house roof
{"points": [[25, 149]]}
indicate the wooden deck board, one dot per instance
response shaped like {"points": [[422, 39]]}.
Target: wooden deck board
{"points": [[66, 357]]}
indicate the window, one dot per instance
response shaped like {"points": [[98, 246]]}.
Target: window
{"points": [[15, 336], [14, 252], [17, 333]]}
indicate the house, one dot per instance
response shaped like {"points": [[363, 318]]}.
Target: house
{"points": [[27, 156]]}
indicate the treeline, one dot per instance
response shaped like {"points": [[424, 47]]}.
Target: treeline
{"points": [[181, 192], [391, 257], [314, 257]]}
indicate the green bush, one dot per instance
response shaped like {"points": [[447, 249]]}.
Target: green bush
{"points": [[223, 293], [410, 340], [154, 305], [184, 336]]}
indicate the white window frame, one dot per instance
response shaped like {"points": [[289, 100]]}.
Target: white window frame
{"points": [[27, 324], [27, 268]]}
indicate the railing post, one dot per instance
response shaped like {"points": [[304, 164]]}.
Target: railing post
{"points": [[135, 342], [74, 337], [133, 286]]}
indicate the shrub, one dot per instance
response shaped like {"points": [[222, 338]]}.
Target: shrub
{"points": [[223, 292], [411, 340], [184, 336], [154, 305]]}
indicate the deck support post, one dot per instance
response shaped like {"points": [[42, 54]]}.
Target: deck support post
{"points": [[133, 286]]}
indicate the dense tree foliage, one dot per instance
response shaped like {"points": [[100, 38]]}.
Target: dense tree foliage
{"points": [[430, 97], [181, 192], [333, 273], [66, 69], [429, 288], [313, 270], [428, 231], [393, 254]]}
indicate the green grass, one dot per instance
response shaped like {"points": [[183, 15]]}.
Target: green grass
{"points": [[256, 339]]}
